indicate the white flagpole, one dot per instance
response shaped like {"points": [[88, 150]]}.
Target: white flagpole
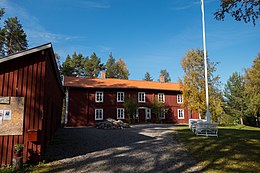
{"points": [[205, 62]]}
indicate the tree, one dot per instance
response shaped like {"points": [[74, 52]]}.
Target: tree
{"points": [[166, 75], [66, 67], [235, 103], [252, 84], [148, 77], [193, 85], [13, 37], [131, 108], [77, 63], [2, 35], [110, 67], [121, 69], [248, 11], [93, 66], [73, 66]]}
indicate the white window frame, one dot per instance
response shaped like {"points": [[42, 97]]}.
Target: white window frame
{"points": [[180, 112], [161, 114], [141, 97], [161, 96], [99, 114], [179, 98], [120, 96], [101, 97], [120, 113]]}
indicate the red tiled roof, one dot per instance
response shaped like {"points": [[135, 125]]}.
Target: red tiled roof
{"points": [[119, 83]]}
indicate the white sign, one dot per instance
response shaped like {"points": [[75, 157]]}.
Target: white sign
{"points": [[7, 115]]}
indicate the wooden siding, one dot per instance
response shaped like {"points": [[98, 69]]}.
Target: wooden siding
{"points": [[82, 105], [32, 77]]}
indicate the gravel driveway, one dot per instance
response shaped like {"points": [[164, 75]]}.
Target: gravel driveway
{"points": [[141, 148]]}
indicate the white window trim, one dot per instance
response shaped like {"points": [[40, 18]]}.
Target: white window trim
{"points": [[102, 115], [160, 114], [117, 97], [96, 96], [179, 113], [179, 95], [163, 97], [141, 101], [118, 111]]}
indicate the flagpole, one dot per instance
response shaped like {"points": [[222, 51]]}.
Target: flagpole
{"points": [[205, 62]]}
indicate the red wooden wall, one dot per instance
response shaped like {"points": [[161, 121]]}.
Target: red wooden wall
{"points": [[82, 105], [32, 77]]}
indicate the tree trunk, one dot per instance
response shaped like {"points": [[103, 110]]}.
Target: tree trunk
{"points": [[241, 120]]}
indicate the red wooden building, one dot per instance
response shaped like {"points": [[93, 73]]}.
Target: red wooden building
{"points": [[92, 100], [32, 76]]}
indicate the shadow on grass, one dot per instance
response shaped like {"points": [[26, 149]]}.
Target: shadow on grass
{"points": [[144, 148], [237, 149]]}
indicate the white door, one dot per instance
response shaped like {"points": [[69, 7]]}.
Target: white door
{"points": [[148, 114]]}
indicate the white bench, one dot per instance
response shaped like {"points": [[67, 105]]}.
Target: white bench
{"points": [[206, 129]]}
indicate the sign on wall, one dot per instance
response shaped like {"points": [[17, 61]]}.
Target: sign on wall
{"points": [[11, 115]]}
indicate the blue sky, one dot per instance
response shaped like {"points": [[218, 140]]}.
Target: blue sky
{"points": [[149, 35]]}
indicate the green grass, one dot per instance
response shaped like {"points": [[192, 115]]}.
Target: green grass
{"points": [[237, 149]]}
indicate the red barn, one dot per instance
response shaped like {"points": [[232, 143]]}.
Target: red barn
{"points": [[31, 80], [92, 100]]}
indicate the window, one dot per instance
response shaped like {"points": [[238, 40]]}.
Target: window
{"points": [[98, 114], [120, 113], [141, 97], [148, 113], [180, 114], [99, 96], [120, 96], [161, 97], [179, 98], [162, 114]]}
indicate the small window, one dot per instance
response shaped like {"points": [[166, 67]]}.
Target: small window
{"points": [[141, 97], [179, 98], [120, 96], [180, 114], [99, 96], [120, 113], [161, 97], [162, 114], [98, 114]]}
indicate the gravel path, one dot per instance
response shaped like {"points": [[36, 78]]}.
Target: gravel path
{"points": [[141, 148]]}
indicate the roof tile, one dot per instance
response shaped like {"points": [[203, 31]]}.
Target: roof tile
{"points": [[119, 83]]}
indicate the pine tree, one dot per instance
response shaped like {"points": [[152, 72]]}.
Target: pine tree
{"points": [[66, 68], [234, 97], [93, 66], [14, 37], [148, 77], [110, 67]]}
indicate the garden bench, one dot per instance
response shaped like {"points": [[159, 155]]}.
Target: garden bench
{"points": [[206, 129]]}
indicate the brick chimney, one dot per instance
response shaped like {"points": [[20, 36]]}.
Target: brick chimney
{"points": [[162, 79], [103, 74]]}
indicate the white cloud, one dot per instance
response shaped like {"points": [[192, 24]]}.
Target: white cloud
{"points": [[36, 33]]}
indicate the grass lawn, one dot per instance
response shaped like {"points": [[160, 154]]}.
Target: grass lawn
{"points": [[237, 149]]}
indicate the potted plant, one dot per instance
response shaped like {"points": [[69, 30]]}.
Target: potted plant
{"points": [[18, 149]]}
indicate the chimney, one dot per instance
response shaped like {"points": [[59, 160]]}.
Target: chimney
{"points": [[162, 79], [103, 74]]}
